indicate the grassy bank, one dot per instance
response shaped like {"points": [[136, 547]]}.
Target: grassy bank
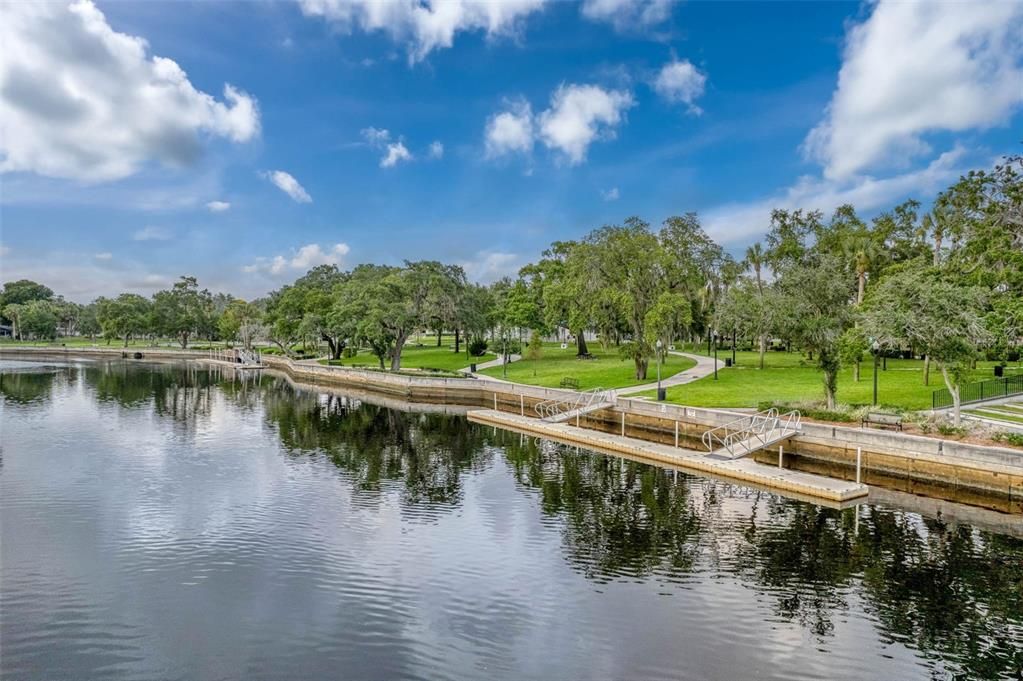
{"points": [[790, 377], [607, 370]]}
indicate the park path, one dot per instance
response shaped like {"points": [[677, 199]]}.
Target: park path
{"points": [[704, 367], [489, 365]]}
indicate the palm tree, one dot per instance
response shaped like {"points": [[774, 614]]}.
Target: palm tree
{"points": [[865, 255], [754, 260]]}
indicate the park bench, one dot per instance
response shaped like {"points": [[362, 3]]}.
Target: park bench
{"points": [[569, 382], [889, 420]]}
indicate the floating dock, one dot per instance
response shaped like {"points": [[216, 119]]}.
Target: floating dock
{"points": [[782, 480]]}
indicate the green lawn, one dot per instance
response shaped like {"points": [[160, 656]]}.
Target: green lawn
{"points": [[429, 356], [790, 377], [608, 370]]}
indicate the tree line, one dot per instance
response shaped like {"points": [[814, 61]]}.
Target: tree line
{"points": [[944, 284]]}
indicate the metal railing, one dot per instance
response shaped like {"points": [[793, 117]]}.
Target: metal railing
{"points": [[979, 391], [750, 433], [550, 409]]}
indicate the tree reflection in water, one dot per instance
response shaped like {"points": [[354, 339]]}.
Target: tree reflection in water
{"points": [[949, 591]]}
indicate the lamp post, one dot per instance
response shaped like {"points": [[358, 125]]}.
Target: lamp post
{"points": [[660, 393], [876, 347], [715, 334]]}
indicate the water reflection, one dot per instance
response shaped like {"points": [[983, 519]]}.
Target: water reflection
{"points": [[861, 584]]}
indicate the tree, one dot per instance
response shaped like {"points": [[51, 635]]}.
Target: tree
{"points": [[534, 351], [183, 311], [567, 292], [38, 318], [755, 260], [12, 312], [315, 293], [694, 267], [669, 317], [851, 347], [925, 309], [23, 291], [815, 299], [282, 317], [88, 321], [787, 238], [382, 306], [238, 315], [750, 310], [626, 264], [474, 310], [127, 315]]}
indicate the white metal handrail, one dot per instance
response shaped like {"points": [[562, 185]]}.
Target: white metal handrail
{"points": [[550, 409], [753, 432]]}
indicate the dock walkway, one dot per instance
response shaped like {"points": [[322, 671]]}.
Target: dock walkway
{"points": [[745, 470]]}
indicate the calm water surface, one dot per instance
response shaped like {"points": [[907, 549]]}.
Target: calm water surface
{"points": [[164, 522]]}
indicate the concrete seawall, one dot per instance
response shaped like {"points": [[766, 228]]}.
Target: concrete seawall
{"points": [[986, 476]]}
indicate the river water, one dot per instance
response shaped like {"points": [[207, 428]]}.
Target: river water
{"points": [[159, 521]]}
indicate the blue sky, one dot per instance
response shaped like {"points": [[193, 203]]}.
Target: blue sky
{"points": [[467, 132]]}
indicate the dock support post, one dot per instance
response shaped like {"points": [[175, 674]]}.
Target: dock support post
{"points": [[623, 424], [859, 462], [495, 401], [676, 434], [781, 454], [522, 405], [577, 419]]}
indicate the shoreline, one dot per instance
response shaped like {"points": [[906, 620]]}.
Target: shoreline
{"points": [[978, 475]]}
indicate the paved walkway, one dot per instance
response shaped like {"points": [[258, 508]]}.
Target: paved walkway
{"points": [[489, 365], [704, 367]]}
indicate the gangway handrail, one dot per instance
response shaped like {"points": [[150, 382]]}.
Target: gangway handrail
{"points": [[549, 409], [746, 432]]}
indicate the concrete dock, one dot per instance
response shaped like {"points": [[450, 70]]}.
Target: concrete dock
{"points": [[782, 480]]}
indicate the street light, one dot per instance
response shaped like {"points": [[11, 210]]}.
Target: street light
{"points": [[877, 348], [660, 392], [715, 333]]}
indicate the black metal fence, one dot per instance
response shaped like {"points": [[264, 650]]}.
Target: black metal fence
{"points": [[980, 391]]}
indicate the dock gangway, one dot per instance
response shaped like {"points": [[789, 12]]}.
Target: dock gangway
{"points": [[747, 434]]}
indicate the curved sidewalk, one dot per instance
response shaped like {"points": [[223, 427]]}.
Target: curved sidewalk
{"points": [[490, 364], [704, 367]]}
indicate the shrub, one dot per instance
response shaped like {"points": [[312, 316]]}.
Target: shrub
{"points": [[477, 347], [349, 351], [1012, 355], [948, 430], [1014, 439], [811, 411]]}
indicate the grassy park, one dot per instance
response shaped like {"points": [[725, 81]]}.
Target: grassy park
{"points": [[790, 377], [606, 370]]}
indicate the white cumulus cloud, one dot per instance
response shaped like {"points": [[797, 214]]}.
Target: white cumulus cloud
{"points": [[396, 153], [510, 131], [580, 114], [611, 194], [151, 233], [679, 81], [435, 150], [425, 25], [738, 222], [83, 101], [489, 266], [103, 256], [627, 14], [289, 185], [914, 68], [577, 116], [300, 260], [218, 206]]}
